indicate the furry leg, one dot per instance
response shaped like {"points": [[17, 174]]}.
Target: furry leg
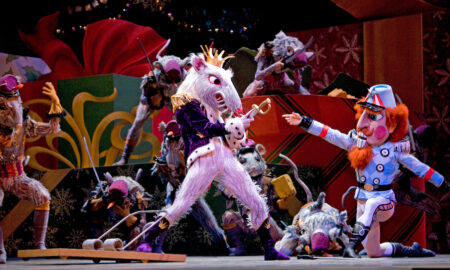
{"points": [[197, 180], [236, 179]]}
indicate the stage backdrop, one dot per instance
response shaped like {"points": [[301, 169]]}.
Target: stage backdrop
{"points": [[337, 49]]}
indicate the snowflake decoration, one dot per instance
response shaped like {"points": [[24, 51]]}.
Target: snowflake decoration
{"points": [[75, 238], [440, 118], [350, 49], [324, 83], [12, 244], [78, 171], [50, 239], [333, 28], [63, 202], [438, 15], [158, 199], [446, 40], [444, 73], [204, 236], [129, 170], [176, 234], [318, 53]]}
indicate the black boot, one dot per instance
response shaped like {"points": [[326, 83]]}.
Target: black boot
{"points": [[235, 235], [266, 239], [157, 230], [415, 250], [359, 233]]}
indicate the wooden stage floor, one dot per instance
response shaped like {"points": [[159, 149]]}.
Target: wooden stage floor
{"points": [[233, 263]]}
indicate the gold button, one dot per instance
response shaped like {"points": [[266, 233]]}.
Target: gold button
{"points": [[368, 187]]}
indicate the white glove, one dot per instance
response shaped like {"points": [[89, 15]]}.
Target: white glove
{"points": [[237, 132]]}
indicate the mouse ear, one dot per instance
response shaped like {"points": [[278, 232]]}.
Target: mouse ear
{"points": [[261, 149]]}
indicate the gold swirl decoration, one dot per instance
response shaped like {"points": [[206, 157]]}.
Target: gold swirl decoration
{"points": [[78, 126]]}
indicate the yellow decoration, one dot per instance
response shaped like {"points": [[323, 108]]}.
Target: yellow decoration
{"points": [[291, 204], [283, 186], [77, 123]]}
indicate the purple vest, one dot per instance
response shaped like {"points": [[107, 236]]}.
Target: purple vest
{"points": [[196, 130]]}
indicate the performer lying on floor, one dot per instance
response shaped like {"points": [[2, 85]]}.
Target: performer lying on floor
{"points": [[376, 160]]}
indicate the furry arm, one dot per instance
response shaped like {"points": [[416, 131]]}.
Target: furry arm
{"points": [[34, 128]]}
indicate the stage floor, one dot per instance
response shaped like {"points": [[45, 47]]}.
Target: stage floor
{"points": [[247, 262]]}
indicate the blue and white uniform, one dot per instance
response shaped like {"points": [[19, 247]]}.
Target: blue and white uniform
{"points": [[383, 167]]}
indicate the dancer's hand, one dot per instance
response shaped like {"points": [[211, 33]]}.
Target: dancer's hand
{"points": [[293, 119], [50, 91]]}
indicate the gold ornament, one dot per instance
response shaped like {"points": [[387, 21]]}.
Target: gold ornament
{"points": [[214, 58]]}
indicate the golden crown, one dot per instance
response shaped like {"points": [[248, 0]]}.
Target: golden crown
{"points": [[213, 57]]}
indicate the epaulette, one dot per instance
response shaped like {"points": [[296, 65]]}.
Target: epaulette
{"points": [[181, 99]]}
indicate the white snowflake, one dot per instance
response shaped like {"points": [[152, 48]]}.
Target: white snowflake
{"points": [[63, 202]]}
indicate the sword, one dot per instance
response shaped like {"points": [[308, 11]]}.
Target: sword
{"points": [[291, 58], [92, 164], [146, 57]]}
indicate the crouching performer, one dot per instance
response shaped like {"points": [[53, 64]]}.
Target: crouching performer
{"points": [[376, 160], [15, 127], [204, 95]]}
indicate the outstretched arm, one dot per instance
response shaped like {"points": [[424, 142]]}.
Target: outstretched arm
{"points": [[420, 169], [142, 114], [34, 128], [316, 128]]}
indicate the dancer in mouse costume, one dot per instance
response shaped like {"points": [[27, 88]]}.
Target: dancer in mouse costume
{"points": [[381, 123], [15, 127], [204, 95], [157, 88]]}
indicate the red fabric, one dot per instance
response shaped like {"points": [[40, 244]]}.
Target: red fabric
{"points": [[324, 132], [109, 46], [429, 174]]}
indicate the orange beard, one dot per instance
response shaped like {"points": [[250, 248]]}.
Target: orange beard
{"points": [[360, 158]]}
